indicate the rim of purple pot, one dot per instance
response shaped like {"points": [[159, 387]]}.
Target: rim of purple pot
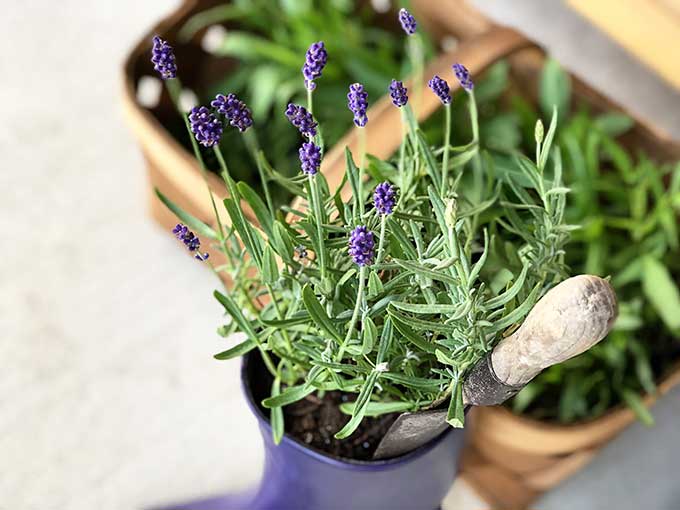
{"points": [[320, 455]]}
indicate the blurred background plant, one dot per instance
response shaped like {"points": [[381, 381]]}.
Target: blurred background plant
{"points": [[267, 38], [628, 207]]}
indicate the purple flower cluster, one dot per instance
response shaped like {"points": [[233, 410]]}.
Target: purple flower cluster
{"points": [[441, 88], [362, 246], [205, 126], [190, 240], [408, 22], [463, 76], [384, 198], [301, 119], [234, 110], [357, 102], [163, 58], [315, 61], [398, 93], [310, 158]]}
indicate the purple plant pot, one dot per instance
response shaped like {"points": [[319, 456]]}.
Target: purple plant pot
{"points": [[297, 477]]}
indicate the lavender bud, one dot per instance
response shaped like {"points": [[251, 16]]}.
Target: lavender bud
{"points": [[408, 22], [301, 119], [398, 93], [190, 240], [235, 111], [463, 76], [205, 126], [310, 158], [441, 88], [315, 61], [384, 198], [357, 102], [163, 58], [362, 246]]}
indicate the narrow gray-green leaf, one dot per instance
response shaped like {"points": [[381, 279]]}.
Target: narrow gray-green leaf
{"points": [[360, 406], [318, 314], [190, 221], [277, 413], [288, 396], [237, 351]]}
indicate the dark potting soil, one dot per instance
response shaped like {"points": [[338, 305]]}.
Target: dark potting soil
{"points": [[314, 421]]}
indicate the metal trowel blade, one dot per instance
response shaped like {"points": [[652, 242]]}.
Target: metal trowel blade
{"points": [[410, 431]]}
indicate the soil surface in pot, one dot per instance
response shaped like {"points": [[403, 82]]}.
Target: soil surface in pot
{"points": [[315, 420]]}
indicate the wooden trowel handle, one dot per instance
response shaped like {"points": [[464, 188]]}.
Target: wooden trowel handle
{"points": [[568, 320]]}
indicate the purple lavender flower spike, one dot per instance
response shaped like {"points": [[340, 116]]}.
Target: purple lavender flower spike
{"points": [[163, 58], [357, 102], [441, 88], [362, 246], [463, 76], [408, 22], [310, 158], [190, 240], [315, 61], [301, 119], [205, 126], [235, 111], [384, 198], [398, 93]]}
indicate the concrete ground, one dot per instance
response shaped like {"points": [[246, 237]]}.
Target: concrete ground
{"points": [[109, 396]]}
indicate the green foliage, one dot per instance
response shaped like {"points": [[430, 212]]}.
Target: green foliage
{"points": [[627, 206], [401, 333]]}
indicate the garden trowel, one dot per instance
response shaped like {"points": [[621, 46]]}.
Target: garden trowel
{"points": [[568, 320]]}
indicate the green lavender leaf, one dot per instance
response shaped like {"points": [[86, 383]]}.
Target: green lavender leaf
{"points": [[375, 286], [369, 333], [318, 314], [385, 341], [423, 271], [509, 294], [547, 144], [403, 327], [251, 239], [288, 396], [238, 350], [258, 206], [427, 309], [276, 416], [455, 415], [235, 312], [518, 313], [270, 271], [190, 221], [360, 406], [374, 409]]}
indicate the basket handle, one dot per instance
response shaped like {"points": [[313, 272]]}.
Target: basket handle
{"points": [[457, 18]]}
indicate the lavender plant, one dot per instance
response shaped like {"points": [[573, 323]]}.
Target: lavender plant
{"points": [[392, 293]]}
